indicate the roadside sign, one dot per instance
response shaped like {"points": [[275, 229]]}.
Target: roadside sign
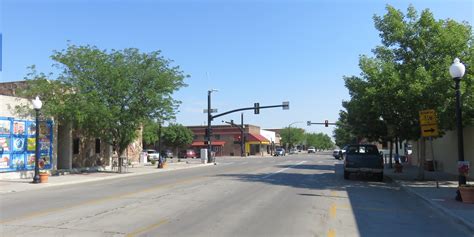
{"points": [[428, 117], [429, 130], [429, 123]]}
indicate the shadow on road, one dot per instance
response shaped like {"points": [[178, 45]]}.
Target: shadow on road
{"points": [[379, 208]]}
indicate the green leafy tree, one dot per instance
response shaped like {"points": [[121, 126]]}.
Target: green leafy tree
{"points": [[343, 134], [108, 94], [409, 73], [292, 136], [177, 136], [319, 140], [150, 132]]}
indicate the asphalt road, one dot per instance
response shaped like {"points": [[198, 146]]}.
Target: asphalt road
{"points": [[297, 195]]}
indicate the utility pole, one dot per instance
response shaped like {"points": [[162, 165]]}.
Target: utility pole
{"points": [[242, 138]]}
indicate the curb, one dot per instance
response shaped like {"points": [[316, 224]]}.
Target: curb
{"points": [[439, 208]]}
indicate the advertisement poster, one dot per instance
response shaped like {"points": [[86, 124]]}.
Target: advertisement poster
{"points": [[45, 145], [18, 143], [18, 161], [4, 161], [5, 127], [18, 128], [30, 161], [31, 144], [4, 144], [31, 128], [44, 130]]}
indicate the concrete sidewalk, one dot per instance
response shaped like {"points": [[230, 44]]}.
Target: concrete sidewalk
{"points": [[438, 189], [19, 185]]}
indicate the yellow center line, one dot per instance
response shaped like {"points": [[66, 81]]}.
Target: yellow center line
{"points": [[331, 233], [109, 198], [332, 210], [146, 228], [332, 215]]}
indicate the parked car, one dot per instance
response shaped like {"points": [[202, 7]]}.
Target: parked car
{"points": [[363, 158], [189, 153], [280, 152], [167, 154], [152, 155], [311, 149], [336, 153]]}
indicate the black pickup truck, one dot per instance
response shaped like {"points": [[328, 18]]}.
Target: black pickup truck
{"points": [[363, 158]]}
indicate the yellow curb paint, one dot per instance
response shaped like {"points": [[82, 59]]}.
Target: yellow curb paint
{"points": [[331, 233], [332, 210], [146, 228]]}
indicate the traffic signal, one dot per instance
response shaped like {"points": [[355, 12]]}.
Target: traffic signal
{"points": [[309, 123], [208, 132], [326, 123], [256, 108]]}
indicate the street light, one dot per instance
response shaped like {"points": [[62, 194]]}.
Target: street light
{"points": [[289, 132], [209, 119], [457, 70], [37, 104]]}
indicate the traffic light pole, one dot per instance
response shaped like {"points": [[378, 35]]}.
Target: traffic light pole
{"points": [[285, 105], [325, 123], [242, 130]]}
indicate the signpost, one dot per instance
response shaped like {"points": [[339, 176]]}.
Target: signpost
{"points": [[429, 123], [429, 128]]}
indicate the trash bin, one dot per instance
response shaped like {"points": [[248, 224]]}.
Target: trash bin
{"points": [[429, 166], [204, 156]]}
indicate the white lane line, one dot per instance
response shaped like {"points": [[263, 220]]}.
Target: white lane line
{"points": [[268, 175]]}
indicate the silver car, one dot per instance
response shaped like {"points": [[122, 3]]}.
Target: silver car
{"points": [[280, 152]]}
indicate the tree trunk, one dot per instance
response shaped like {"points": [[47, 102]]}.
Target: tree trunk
{"points": [[421, 159]]}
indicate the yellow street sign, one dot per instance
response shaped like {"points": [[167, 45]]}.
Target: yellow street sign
{"points": [[429, 130], [428, 117]]}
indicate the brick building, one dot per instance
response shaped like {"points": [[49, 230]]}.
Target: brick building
{"points": [[226, 140]]}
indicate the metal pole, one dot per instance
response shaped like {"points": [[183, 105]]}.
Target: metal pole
{"points": [[242, 134], [159, 144], [462, 178], [289, 137], [36, 178], [209, 145]]}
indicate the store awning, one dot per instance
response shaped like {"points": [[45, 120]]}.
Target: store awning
{"points": [[257, 139], [214, 143]]}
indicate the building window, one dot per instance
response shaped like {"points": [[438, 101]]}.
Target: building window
{"points": [[218, 137], [75, 146], [97, 145]]}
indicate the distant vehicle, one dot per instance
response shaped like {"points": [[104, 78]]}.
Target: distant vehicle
{"points": [[189, 153], [280, 152], [363, 158], [293, 151], [152, 155], [336, 153], [167, 154], [311, 149], [343, 152]]}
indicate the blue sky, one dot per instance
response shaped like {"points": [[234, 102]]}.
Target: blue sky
{"points": [[251, 51]]}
